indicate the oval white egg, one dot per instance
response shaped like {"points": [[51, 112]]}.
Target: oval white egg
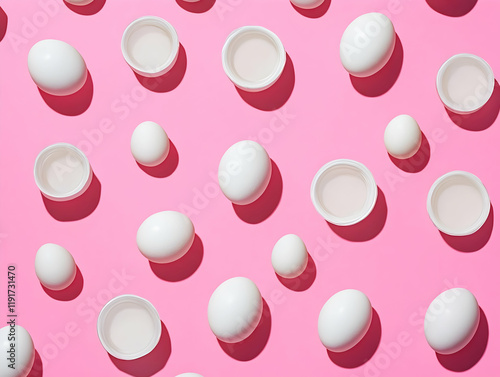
{"points": [[189, 374], [244, 172], [307, 4], [451, 320], [24, 356], [344, 320], [56, 67], [149, 144], [235, 309], [79, 2], [289, 257], [402, 137], [54, 267], [367, 44], [165, 236]]}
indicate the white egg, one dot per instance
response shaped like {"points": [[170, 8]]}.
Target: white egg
{"points": [[402, 137], [189, 374], [235, 309], [367, 44], [344, 320], [165, 236], [79, 2], [307, 4], [56, 67], [17, 338], [149, 144], [244, 172], [54, 267], [289, 256], [451, 320]]}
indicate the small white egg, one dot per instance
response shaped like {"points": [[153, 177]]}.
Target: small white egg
{"points": [[289, 256], [54, 267], [367, 44], [17, 339], [307, 4], [189, 374], [344, 320], [79, 2], [244, 172], [235, 309], [451, 320], [165, 236], [56, 67], [149, 144], [402, 137]]}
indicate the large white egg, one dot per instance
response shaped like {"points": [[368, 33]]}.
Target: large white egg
{"points": [[344, 320], [244, 172], [451, 320], [54, 267], [17, 338], [307, 4], [235, 309], [402, 136], [56, 67], [289, 257], [165, 236], [149, 144], [367, 44]]}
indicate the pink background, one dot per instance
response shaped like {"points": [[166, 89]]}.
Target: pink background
{"points": [[401, 264]]}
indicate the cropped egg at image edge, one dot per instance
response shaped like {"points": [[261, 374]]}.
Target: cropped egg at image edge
{"points": [[258, 257]]}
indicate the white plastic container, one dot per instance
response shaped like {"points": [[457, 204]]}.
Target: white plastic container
{"points": [[150, 46]]}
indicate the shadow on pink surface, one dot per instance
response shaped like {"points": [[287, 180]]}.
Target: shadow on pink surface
{"points": [[277, 95], [475, 241], [73, 104], [380, 82], [200, 6], [37, 368], [69, 293], [304, 281], [170, 80], [78, 208], [368, 228], [264, 206], [364, 350], [481, 119], [315, 12], [4, 20], [87, 10], [150, 364], [452, 8], [167, 167], [249, 348], [418, 161], [470, 355], [182, 268]]}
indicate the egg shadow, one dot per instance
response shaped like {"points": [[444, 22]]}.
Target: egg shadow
{"points": [[249, 348], [4, 20], [418, 161], [452, 8], [314, 12], [183, 267], [72, 104], [368, 228], [200, 6], [481, 119], [87, 10], [275, 96], [151, 363], [166, 168], [168, 81], [37, 368], [475, 241], [266, 204], [77, 208], [380, 82], [69, 293], [302, 282], [364, 350], [470, 355]]}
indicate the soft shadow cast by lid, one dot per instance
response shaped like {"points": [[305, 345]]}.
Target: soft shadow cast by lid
{"points": [[167, 167], [4, 20], [37, 368], [304, 281], [315, 12], [418, 161], [452, 8], [200, 6], [69, 293], [87, 10]]}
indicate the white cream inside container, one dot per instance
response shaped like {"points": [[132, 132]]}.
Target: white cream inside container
{"points": [[129, 327], [458, 203], [344, 192], [465, 82]]}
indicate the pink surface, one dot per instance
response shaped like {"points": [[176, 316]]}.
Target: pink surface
{"points": [[399, 259]]}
